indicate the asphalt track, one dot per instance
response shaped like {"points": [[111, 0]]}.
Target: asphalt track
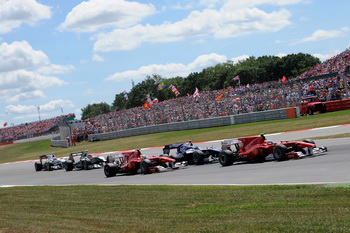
{"points": [[330, 168]]}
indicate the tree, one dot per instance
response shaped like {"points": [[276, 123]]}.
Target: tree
{"points": [[251, 70], [95, 109]]}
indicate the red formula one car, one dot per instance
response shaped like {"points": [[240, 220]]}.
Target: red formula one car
{"points": [[132, 162], [257, 148]]}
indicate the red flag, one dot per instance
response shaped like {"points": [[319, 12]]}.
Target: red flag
{"points": [[146, 105], [284, 79], [5, 124]]}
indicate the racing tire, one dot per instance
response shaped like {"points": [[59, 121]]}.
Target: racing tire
{"points": [[188, 158], [68, 165], [145, 165], [198, 157], [279, 152], [226, 158], [86, 165], [110, 169], [47, 167], [38, 166]]}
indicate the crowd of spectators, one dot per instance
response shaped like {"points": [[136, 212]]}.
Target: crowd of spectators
{"points": [[233, 100], [31, 129]]}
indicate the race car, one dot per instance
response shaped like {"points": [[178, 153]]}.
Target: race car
{"points": [[257, 148], [186, 152], [134, 162], [48, 162], [84, 161]]}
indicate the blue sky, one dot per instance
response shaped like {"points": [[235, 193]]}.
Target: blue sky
{"points": [[65, 54]]}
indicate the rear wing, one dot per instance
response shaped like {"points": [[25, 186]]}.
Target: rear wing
{"points": [[227, 143], [167, 148], [41, 157]]}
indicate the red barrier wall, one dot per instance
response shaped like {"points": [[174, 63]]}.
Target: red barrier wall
{"points": [[337, 105], [5, 143], [291, 113]]}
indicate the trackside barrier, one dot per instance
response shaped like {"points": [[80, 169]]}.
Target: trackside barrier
{"points": [[57, 142], [6, 143], [202, 123], [337, 105]]}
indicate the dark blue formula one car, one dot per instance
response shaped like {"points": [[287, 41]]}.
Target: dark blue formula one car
{"points": [[187, 152]]}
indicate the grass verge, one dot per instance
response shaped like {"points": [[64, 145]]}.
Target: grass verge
{"points": [[31, 150], [175, 209]]}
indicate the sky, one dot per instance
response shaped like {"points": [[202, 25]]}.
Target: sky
{"points": [[58, 56]]}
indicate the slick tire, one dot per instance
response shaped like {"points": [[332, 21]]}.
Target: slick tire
{"points": [[279, 152], [69, 165], [145, 165], [38, 166], [226, 158], [198, 157], [110, 169]]}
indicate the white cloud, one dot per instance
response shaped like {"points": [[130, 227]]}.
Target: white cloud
{"points": [[24, 72], [205, 61], [240, 58], [97, 58], [169, 70], [31, 111], [325, 34], [280, 55], [55, 69], [20, 55], [31, 95], [324, 57], [90, 16], [229, 21], [21, 82], [14, 13], [27, 80]]}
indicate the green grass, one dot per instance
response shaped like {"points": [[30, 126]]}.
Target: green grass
{"points": [[31, 150], [175, 209]]}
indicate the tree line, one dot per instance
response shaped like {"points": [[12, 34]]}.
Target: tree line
{"points": [[251, 70]]}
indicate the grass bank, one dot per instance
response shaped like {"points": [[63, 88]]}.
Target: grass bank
{"points": [[175, 209], [31, 150]]}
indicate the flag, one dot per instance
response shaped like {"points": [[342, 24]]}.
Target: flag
{"points": [[196, 93], [236, 78], [220, 96], [146, 105], [174, 90], [284, 79], [125, 95], [161, 86], [148, 102], [5, 124], [155, 100]]}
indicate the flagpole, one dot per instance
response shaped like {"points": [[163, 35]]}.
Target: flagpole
{"points": [[39, 112]]}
